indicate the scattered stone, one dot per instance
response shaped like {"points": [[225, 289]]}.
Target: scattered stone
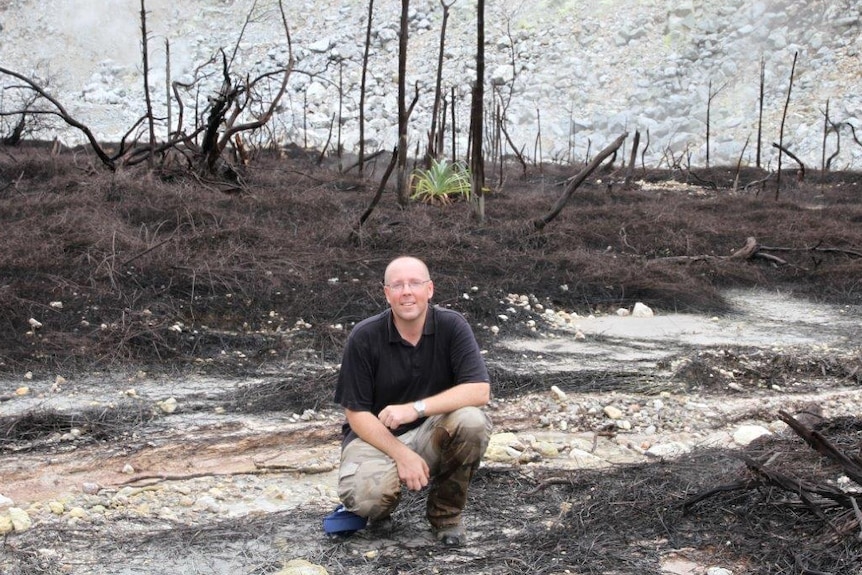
{"points": [[6, 525], [559, 394], [586, 460], [641, 310], [90, 488], [613, 412], [56, 507], [20, 519], [34, 323], [301, 567], [748, 433], [168, 405], [668, 450]]}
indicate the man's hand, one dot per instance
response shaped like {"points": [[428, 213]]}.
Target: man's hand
{"points": [[413, 471], [394, 416]]}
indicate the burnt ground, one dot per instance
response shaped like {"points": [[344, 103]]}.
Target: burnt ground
{"points": [[178, 277]]}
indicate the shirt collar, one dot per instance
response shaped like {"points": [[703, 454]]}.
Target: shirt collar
{"points": [[428, 329]]}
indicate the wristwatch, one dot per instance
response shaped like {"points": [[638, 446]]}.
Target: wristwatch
{"points": [[419, 406]]}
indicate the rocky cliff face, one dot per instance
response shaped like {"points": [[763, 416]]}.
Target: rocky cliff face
{"points": [[568, 75]]}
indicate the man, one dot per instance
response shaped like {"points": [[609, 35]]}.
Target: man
{"points": [[412, 381]]}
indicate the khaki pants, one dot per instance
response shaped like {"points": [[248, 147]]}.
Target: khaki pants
{"points": [[452, 445]]}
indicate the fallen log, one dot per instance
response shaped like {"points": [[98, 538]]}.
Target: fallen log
{"points": [[754, 250], [851, 465]]}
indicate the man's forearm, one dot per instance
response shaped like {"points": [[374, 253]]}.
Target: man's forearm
{"points": [[462, 395], [373, 432]]}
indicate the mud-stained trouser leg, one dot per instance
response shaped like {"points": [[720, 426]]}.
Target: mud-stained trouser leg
{"points": [[453, 446], [368, 483]]}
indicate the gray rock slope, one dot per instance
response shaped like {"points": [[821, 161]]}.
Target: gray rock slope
{"points": [[568, 76]]}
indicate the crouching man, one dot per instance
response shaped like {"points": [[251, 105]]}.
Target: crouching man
{"points": [[412, 383]]}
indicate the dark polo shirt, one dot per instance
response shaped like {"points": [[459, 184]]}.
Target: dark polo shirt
{"points": [[379, 368]]}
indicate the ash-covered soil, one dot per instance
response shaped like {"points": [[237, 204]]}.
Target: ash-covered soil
{"points": [[172, 411]]}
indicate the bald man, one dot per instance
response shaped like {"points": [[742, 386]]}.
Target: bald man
{"points": [[412, 384]]}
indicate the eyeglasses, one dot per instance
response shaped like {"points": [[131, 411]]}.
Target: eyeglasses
{"points": [[399, 287]]}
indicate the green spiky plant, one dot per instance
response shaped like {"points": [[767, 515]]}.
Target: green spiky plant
{"points": [[441, 183]]}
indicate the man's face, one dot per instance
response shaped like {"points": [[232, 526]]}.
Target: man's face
{"points": [[408, 289]]}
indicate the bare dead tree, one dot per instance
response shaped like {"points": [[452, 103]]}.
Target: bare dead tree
{"points": [[573, 184], [643, 152], [145, 57], [168, 103], [630, 171], [801, 174], [710, 96], [363, 87], [454, 129], [379, 194], [433, 139], [20, 128], [825, 136], [760, 110], [403, 192], [739, 163], [836, 128], [233, 99], [477, 160], [537, 147], [781, 130], [60, 111], [218, 131], [519, 154], [852, 132]]}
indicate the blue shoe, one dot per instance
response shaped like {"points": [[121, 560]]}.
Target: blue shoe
{"points": [[342, 522]]}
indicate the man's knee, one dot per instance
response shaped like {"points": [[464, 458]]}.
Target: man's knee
{"points": [[370, 488], [468, 431], [469, 422]]}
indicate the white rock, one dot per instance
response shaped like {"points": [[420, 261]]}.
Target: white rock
{"points": [[558, 393], [585, 459], [668, 450], [128, 469], [748, 433], [641, 310], [90, 488], [623, 312], [613, 412], [718, 571], [20, 519], [34, 323], [56, 507], [301, 567], [168, 406], [56, 304]]}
